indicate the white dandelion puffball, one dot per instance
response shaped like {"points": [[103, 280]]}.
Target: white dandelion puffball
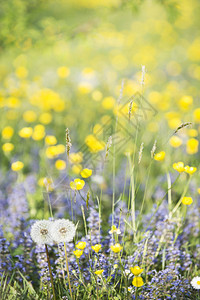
{"points": [[196, 283], [62, 230], [40, 232]]}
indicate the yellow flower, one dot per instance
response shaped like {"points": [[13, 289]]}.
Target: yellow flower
{"points": [[60, 164], [197, 115], [46, 182], [29, 116], [114, 229], [7, 132], [136, 270], [190, 170], [85, 173], [50, 140], [179, 166], [94, 144], [81, 245], [38, 133], [116, 248], [97, 95], [45, 118], [187, 200], [185, 102], [159, 156], [192, 146], [17, 166], [63, 72], [78, 253], [96, 248], [192, 132], [26, 132], [76, 158], [21, 72], [76, 169], [175, 141], [198, 190], [137, 281], [7, 147], [108, 103], [99, 272], [77, 184]]}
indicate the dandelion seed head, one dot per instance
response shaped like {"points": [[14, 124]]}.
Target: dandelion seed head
{"points": [[62, 230], [40, 232]]}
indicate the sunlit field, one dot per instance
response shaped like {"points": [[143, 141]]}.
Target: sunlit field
{"points": [[99, 150]]}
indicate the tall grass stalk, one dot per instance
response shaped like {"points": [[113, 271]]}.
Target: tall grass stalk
{"points": [[67, 266], [50, 272]]}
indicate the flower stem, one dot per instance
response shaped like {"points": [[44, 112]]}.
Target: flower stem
{"points": [[68, 270], [51, 277]]}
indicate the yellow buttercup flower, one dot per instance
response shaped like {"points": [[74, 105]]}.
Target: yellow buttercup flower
{"points": [[29, 116], [96, 248], [38, 133], [116, 248], [26, 132], [192, 146], [197, 115], [94, 144], [50, 140], [190, 170], [185, 102], [85, 173], [81, 245], [175, 141], [21, 72], [136, 270], [45, 118], [198, 190], [77, 184], [63, 72], [108, 103], [7, 147], [60, 164], [76, 158], [159, 156], [78, 253], [192, 132], [179, 166], [99, 272], [76, 169], [187, 200], [137, 281], [7, 132], [17, 166]]}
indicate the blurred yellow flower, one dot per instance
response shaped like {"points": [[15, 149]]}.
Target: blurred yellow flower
{"points": [[159, 156], [85, 173], [190, 170], [198, 190], [21, 72], [175, 141], [7, 147], [45, 118], [192, 132], [94, 144], [108, 102], [17, 166], [13, 102], [99, 272], [76, 158], [29, 116], [46, 182], [60, 164], [96, 248], [136, 270], [116, 248], [197, 115], [192, 146], [50, 140], [26, 132], [179, 166], [187, 200], [77, 184], [76, 169], [185, 102], [63, 72], [97, 95], [84, 88], [81, 245], [7, 132], [137, 281], [38, 132], [78, 253]]}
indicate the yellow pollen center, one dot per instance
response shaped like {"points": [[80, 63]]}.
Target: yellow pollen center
{"points": [[198, 282]]}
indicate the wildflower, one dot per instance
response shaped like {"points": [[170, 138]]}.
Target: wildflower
{"points": [[192, 132], [76, 158], [76, 169], [96, 248], [99, 272], [136, 270], [108, 102], [38, 132], [190, 170], [159, 156], [192, 146], [196, 283], [81, 245], [50, 140], [40, 232], [114, 229], [175, 141], [197, 115], [60, 164], [63, 72], [77, 184], [179, 166], [17, 166], [85, 173], [7, 132], [185, 102], [198, 190], [45, 118], [137, 281], [26, 132], [21, 72], [78, 253], [7, 147], [62, 230], [187, 200], [94, 144], [29, 116], [116, 248], [46, 182]]}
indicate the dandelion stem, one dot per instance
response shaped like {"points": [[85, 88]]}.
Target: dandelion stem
{"points": [[67, 265], [51, 277]]}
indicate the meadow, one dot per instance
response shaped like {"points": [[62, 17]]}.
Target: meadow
{"points": [[99, 150]]}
